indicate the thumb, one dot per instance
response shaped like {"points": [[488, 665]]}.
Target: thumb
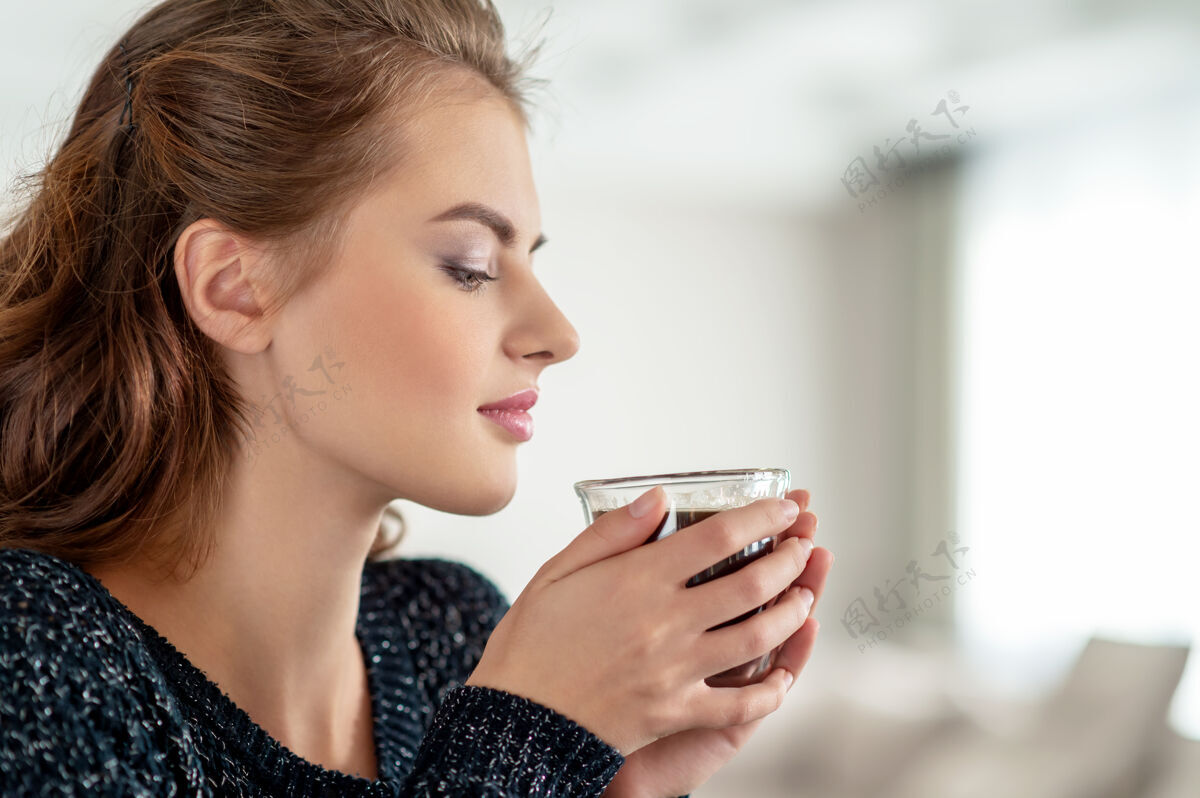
{"points": [[614, 532]]}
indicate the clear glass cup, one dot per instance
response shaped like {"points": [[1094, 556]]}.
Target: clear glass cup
{"points": [[693, 496]]}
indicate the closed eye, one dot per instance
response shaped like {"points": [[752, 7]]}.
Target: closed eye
{"points": [[471, 281]]}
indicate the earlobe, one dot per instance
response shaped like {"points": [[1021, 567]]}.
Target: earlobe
{"points": [[216, 287]]}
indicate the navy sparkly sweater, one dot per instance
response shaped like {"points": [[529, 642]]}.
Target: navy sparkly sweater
{"points": [[95, 702]]}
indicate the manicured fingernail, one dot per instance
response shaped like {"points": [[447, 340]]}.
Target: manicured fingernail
{"points": [[644, 503]]}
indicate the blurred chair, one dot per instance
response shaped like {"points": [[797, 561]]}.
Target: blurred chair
{"points": [[1179, 770], [1100, 734]]}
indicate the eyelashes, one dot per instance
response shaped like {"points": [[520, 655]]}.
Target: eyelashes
{"points": [[471, 281]]}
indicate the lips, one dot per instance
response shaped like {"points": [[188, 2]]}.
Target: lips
{"points": [[510, 414], [518, 401]]}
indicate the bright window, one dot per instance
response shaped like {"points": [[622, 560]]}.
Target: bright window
{"points": [[1080, 394]]}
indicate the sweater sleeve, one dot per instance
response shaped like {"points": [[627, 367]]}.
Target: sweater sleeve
{"points": [[485, 741]]}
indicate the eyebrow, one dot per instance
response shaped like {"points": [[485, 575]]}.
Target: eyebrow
{"points": [[491, 218]]}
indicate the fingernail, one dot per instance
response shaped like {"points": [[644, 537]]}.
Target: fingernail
{"points": [[644, 503], [787, 678], [807, 545], [790, 510], [806, 596]]}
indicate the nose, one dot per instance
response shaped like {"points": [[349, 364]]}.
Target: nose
{"points": [[541, 332]]}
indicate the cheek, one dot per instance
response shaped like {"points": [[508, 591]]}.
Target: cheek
{"points": [[438, 356], [422, 351], [418, 359]]}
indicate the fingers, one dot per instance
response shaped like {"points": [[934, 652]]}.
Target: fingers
{"points": [[738, 706], [723, 599], [805, 525], [821, 560], [798, 649], [612, 533], [734, 645], [722, 707], [815, 572], [700, 546], [800, 496]]}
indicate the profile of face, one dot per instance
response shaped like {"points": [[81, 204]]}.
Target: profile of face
{"points": [[422, 341]]}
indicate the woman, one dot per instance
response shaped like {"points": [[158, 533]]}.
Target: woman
{"points": [[270, 282]]}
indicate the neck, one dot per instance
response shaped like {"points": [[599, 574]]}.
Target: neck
{"points": [[271, 616]]}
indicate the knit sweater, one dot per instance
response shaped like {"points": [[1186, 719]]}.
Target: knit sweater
{"points": [[95, 702]]}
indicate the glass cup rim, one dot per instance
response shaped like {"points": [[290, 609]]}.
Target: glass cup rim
{"points": [[683, 476]]}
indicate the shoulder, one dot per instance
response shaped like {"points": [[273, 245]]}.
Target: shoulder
{"points": [[56, 595], [58, 623], [46, 599], [84, 703], [24, 573]]}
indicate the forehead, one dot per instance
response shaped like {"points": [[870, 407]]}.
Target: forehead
{"points": [[466, 142]]}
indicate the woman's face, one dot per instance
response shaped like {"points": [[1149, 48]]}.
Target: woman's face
{"points": [[423, 347]]}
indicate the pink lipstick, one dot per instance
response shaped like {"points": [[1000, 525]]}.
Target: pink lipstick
{"points": [[510, 413]]}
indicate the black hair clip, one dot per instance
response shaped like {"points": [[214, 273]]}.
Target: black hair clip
{"points": [[128, 109]]}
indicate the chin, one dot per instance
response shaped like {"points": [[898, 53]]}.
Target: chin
{"points": [[489, 502], [474, 505], [478, 497]]}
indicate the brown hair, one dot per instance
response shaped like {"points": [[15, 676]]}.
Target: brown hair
{"points": [[117, 418]]}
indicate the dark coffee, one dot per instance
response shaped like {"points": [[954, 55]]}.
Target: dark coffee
{"points": [[676, 519]]}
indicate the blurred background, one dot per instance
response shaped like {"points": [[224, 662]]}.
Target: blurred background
{"points": [[937, 259]]}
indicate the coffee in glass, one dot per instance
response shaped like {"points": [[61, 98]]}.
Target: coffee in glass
{"points": [[693, 496]]}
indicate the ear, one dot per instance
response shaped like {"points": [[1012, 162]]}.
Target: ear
{"points": [[215, 269]]}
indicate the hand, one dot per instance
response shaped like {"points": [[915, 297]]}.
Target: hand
{"points": [[678, 764], [607, 633]]}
